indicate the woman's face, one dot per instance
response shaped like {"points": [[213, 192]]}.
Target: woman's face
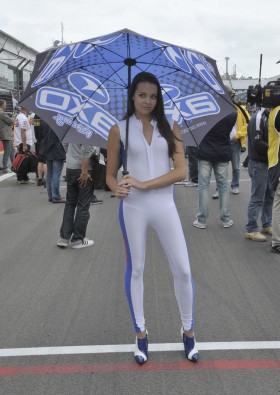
{"points": [[145, 98]]}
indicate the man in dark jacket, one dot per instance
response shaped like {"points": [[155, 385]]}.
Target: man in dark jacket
{"points": [[261, 199], [214, 153], [52, 149]]}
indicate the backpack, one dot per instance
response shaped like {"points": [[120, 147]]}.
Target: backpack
{"points": [[20, 163]]}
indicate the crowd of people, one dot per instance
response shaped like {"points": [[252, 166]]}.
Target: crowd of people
{"points": [[146, 192], [25, 130], [257, 133]]}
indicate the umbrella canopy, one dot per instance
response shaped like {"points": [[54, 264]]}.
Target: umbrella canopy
{"points": [[81, 89]]}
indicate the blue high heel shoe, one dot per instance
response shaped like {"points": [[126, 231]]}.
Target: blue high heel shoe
{"points": [[191, 351], [141, 350]]}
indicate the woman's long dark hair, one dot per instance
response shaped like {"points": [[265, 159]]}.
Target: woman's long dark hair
{"points": [[157, 113]]}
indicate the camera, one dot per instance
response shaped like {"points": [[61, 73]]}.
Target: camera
{"points": [[271, 94], [254, 95]]}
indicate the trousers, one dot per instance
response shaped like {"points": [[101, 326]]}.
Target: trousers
{"points": [[134, 223]]}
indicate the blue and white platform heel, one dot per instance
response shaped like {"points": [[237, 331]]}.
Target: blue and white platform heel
{"points": [[191, 351], [141, 350]]}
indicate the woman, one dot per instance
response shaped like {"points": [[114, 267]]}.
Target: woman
{"points": [[146, 195]]}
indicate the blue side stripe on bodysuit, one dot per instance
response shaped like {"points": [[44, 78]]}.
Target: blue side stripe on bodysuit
{"points": [[128, 272], [193, 292]]}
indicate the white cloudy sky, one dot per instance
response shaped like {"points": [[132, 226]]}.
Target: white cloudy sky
{"points": [[239, 29]]}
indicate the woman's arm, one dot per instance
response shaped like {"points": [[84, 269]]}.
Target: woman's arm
{"points": [[113, 162], [176, 174]]}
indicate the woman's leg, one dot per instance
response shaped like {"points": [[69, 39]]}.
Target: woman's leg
{"points": [[133, 226], [169, 229], [170, 232]]}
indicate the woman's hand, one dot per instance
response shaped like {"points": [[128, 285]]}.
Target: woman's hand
{"points": [[132, 182], [122, 190]]}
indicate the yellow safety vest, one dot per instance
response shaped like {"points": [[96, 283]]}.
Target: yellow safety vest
{"points": [[273, 139]]}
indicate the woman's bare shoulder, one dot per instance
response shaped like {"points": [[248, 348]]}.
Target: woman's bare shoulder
{"points": [[115, 131]]}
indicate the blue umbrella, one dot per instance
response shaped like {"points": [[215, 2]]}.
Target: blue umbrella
{"points": [[81, 89]]}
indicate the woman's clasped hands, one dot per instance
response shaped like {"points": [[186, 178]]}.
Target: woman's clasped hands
{"points": [[125, 184]]}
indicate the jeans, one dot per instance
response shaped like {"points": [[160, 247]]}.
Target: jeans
{"points": [[235, 147], [193, 168], [261, 200], [54, 169], [76, 212], [276, 218], [9, 152], [204, 176]]}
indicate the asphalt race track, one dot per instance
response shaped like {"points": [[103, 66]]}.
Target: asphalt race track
{"points": [[65, 324]]}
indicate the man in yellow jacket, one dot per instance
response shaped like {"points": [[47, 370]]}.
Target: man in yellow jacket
{"points": [[238, 143], [274, 173]]}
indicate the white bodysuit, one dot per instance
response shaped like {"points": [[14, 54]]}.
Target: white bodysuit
{"points": [[155, 208]]}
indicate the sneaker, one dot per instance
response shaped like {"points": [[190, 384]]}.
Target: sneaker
{"points": [[190, 184], [256, 236], [267, 230], [27, 182], [216, 195], [84, 243], [191, 352], [94, 200], [7, 170], [62, 243], [141, 350], [235, 191], [228, 224], [199, 225], [276, 249], [61, 200], [180, 182], [40, 182]]}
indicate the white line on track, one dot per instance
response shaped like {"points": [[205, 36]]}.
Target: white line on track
{"points": [[5, 176], [124, 348]]}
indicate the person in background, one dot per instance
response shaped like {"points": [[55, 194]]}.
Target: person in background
{"points": [[146, 199], [55, 155], [261, 199], [193, 167], [40, 151], [274, 174], [214, 153], [23, 140], [79, 193], [6, 136], [237, 143], [95, 157]]}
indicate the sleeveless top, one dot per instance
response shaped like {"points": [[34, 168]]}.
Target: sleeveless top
{"points": [[146, 161]]}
